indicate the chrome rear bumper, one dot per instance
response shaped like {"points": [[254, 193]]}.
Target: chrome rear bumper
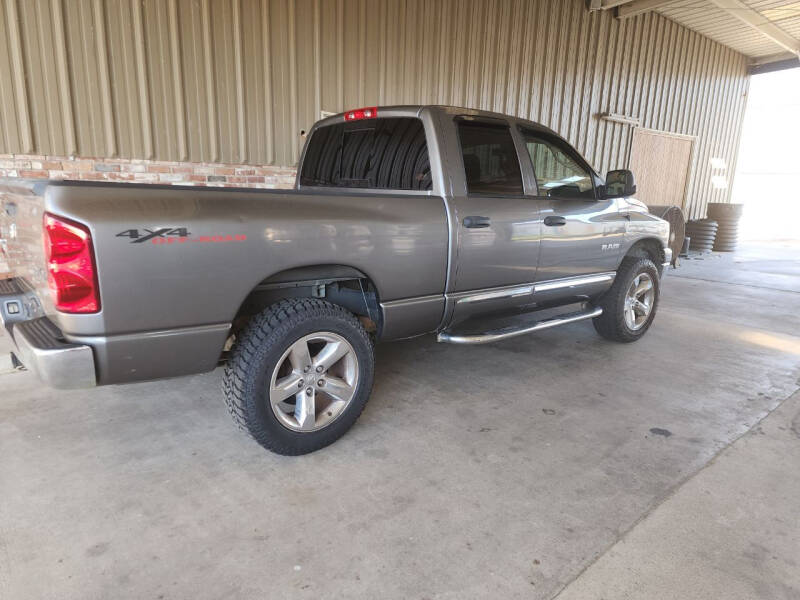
{"points": [[59, 364]]}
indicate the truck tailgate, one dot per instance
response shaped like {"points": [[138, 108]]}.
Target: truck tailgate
{"points": [[21, 208]]}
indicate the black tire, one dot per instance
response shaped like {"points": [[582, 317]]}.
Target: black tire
{"points": [[256, 354], [611, 324]]}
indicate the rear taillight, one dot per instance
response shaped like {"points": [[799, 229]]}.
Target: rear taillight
{"points": [[71, 270], [371, 112]]}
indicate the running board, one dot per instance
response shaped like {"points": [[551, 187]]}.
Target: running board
{"points": [[510, 332]]}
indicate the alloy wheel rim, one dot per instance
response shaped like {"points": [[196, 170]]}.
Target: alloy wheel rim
{"points": [[639, 301], [314, 382]]}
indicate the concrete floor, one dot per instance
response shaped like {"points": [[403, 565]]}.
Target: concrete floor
{"points": [[553, 464]]}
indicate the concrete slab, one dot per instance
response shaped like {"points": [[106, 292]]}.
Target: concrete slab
{"points": [[498, 471], [731, 532]]}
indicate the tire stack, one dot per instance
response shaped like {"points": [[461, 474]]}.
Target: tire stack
{"points": [[701, 234], [727, 217]]}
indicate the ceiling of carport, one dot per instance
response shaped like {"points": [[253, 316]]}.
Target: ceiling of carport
{"points": [[763, 30]]}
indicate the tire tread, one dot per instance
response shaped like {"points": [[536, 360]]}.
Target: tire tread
{"points": [[260, 335]]}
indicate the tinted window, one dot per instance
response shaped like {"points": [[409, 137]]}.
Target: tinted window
{"points": [[374, 153], [490, 159], [557, 172]]}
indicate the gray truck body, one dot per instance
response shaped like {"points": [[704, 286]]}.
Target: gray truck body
{"points": [[168, 305]]}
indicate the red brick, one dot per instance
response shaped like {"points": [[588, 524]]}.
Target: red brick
{"points": [[145, 177], [120, 176], [224, 171], [38, 174], [198, 178], [78, 165], [184, 170], [157, 169], [171, 177], [93, 176], [51, 165], [255, 179]]}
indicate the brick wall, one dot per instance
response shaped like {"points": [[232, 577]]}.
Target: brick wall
{"points": [[145, 171], [119, 170]]}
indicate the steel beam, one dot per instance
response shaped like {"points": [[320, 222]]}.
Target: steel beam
{"points": [[638, 7], [740, 10]]}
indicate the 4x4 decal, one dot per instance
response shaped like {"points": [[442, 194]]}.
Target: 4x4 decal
{"points": [[176, 235], [138, 238]]}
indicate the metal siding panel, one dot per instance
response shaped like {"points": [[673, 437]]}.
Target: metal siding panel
{"points": [[123, 80], [38, 60], [59, 40], [237, 80], [84, 81], [159, 66], [12, 118], [193, 57]]}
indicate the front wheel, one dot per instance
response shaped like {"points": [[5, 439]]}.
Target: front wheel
{"points": [[299, 375], [629, 306]]}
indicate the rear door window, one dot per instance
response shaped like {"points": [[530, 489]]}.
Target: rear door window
{"points": [[386, 153], [490, 159]]}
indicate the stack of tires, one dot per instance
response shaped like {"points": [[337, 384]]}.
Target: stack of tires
{"points": [[701, 234], [727, 217]]}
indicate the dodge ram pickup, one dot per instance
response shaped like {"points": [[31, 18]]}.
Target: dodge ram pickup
{"points": [[404, 221]]}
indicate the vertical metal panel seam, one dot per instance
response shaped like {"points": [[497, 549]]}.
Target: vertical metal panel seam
{"points": [[105, 83], [340, 53], [292, 43], [268, 98], [382, 24], [63, 77], [20, 85], [177, 78], [578, 87], [701, 190], [362, 45], [317, 33], [211, 98], [241, 115], [142, 80], [441, 72]]}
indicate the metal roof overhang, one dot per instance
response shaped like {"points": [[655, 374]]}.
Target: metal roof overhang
{"points": [[766, 31]]}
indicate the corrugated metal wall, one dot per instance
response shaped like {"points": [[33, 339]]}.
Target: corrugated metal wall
{"points": [[237, 80]]}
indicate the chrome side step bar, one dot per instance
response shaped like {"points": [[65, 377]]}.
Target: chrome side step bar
{"points": [[510, 332]]}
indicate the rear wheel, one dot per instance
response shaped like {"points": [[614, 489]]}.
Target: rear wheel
{"points": [[629, 306], [299, 375]]}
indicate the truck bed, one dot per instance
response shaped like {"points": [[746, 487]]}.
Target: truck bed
{"points": [[175, 263]]}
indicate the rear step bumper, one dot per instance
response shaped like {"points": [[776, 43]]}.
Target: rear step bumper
{"points": [[510, 332], [40, 345], [59, 364]]}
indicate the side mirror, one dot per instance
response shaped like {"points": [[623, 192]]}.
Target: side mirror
{"points": [[619, 183]]}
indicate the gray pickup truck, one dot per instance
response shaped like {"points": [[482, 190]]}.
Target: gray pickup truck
{"points": [[404, 221]]}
